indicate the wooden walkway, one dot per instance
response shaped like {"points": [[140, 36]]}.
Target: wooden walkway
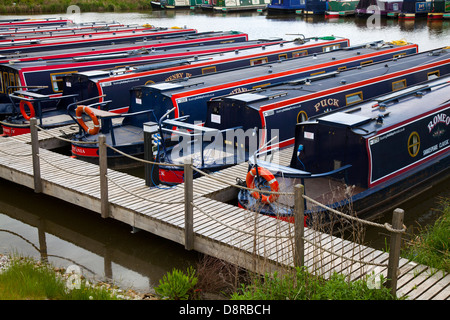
{"points": [[253, 241]]}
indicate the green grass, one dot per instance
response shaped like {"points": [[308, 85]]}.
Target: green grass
{"points": [[60, 6], [431, 246], [25, 279]]}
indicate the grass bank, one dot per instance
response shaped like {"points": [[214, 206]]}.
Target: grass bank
{"points": [[431, 245], [60, 6]]}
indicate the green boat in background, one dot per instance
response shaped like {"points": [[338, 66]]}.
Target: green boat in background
{"points": [[338, 8], [440, 9]]}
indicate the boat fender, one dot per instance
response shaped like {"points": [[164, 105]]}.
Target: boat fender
{"points": [[78, 115], [399, 42], [269, 177], [30, 107]]}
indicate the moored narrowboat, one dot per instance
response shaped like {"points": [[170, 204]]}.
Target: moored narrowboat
{"points": [[337, 8], [313, 7], [273, 111], [285, 6], [76, 84], [59, 44], [240, 5], [438, 9], [364, 160], [19, 23], [154, 96], [174, 4]]}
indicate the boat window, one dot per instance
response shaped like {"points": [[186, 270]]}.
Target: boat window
{"points": [[331, 48], [433, 75], [1, 85], [397, 85], [18, 83], [413, 144], [12, 80], [261, 85], [399, 55], [302, 116], [209, 70], [297, 54], [255, 62], [366, 62], [342, 68], [282, 56], [354, 97], [5, 80], [57, 80]]}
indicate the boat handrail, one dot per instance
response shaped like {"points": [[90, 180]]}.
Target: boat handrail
{"points": [[416, 90]]}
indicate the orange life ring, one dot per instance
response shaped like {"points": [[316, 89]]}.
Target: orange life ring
{"points": [[269, 177], [30, 107], [78, 114]]}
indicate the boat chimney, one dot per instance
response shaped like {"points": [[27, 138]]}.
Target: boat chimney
{"points": [[380, 120]]}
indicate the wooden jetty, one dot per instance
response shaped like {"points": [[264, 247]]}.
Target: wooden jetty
{"points": [[221, 230]]}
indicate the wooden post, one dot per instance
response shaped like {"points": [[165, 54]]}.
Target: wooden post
{"points": [[103, 166], [394, 251], [299, 227], [188, 208], [35, 155]]}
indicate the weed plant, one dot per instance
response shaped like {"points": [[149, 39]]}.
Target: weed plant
{"points": [[60, 6], [177, 285], [25, 279], [301, 285]]}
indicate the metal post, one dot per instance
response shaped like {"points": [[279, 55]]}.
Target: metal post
{"points": [[35, 153], [188, 199], [394, 251], [299, 227], [103, 166]]}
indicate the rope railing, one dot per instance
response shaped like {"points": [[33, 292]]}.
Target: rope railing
{"points": [[396, 229]]}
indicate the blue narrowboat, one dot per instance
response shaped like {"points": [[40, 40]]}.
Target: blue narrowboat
{"points": [[111, 85], [157, 96], [414, 8], [49, 76], [297, 6], [274, 110], [285, 6], [50, 114], [93, 40], [21, 23], [389, 8], [363, 160]]}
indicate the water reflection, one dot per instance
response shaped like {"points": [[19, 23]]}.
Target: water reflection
{"points": [[44, 227]]}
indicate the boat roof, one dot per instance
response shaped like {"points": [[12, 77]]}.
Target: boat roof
{"points": [[272, 70], [388, 111], [272, 97], [267, 46]]}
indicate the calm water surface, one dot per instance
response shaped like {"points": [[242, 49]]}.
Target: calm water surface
{"points": [[104, 248]]}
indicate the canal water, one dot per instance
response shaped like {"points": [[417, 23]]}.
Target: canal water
{"points": [[104, 248]]}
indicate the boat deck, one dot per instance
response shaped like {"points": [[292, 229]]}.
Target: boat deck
{"points": [[221, 230]]}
